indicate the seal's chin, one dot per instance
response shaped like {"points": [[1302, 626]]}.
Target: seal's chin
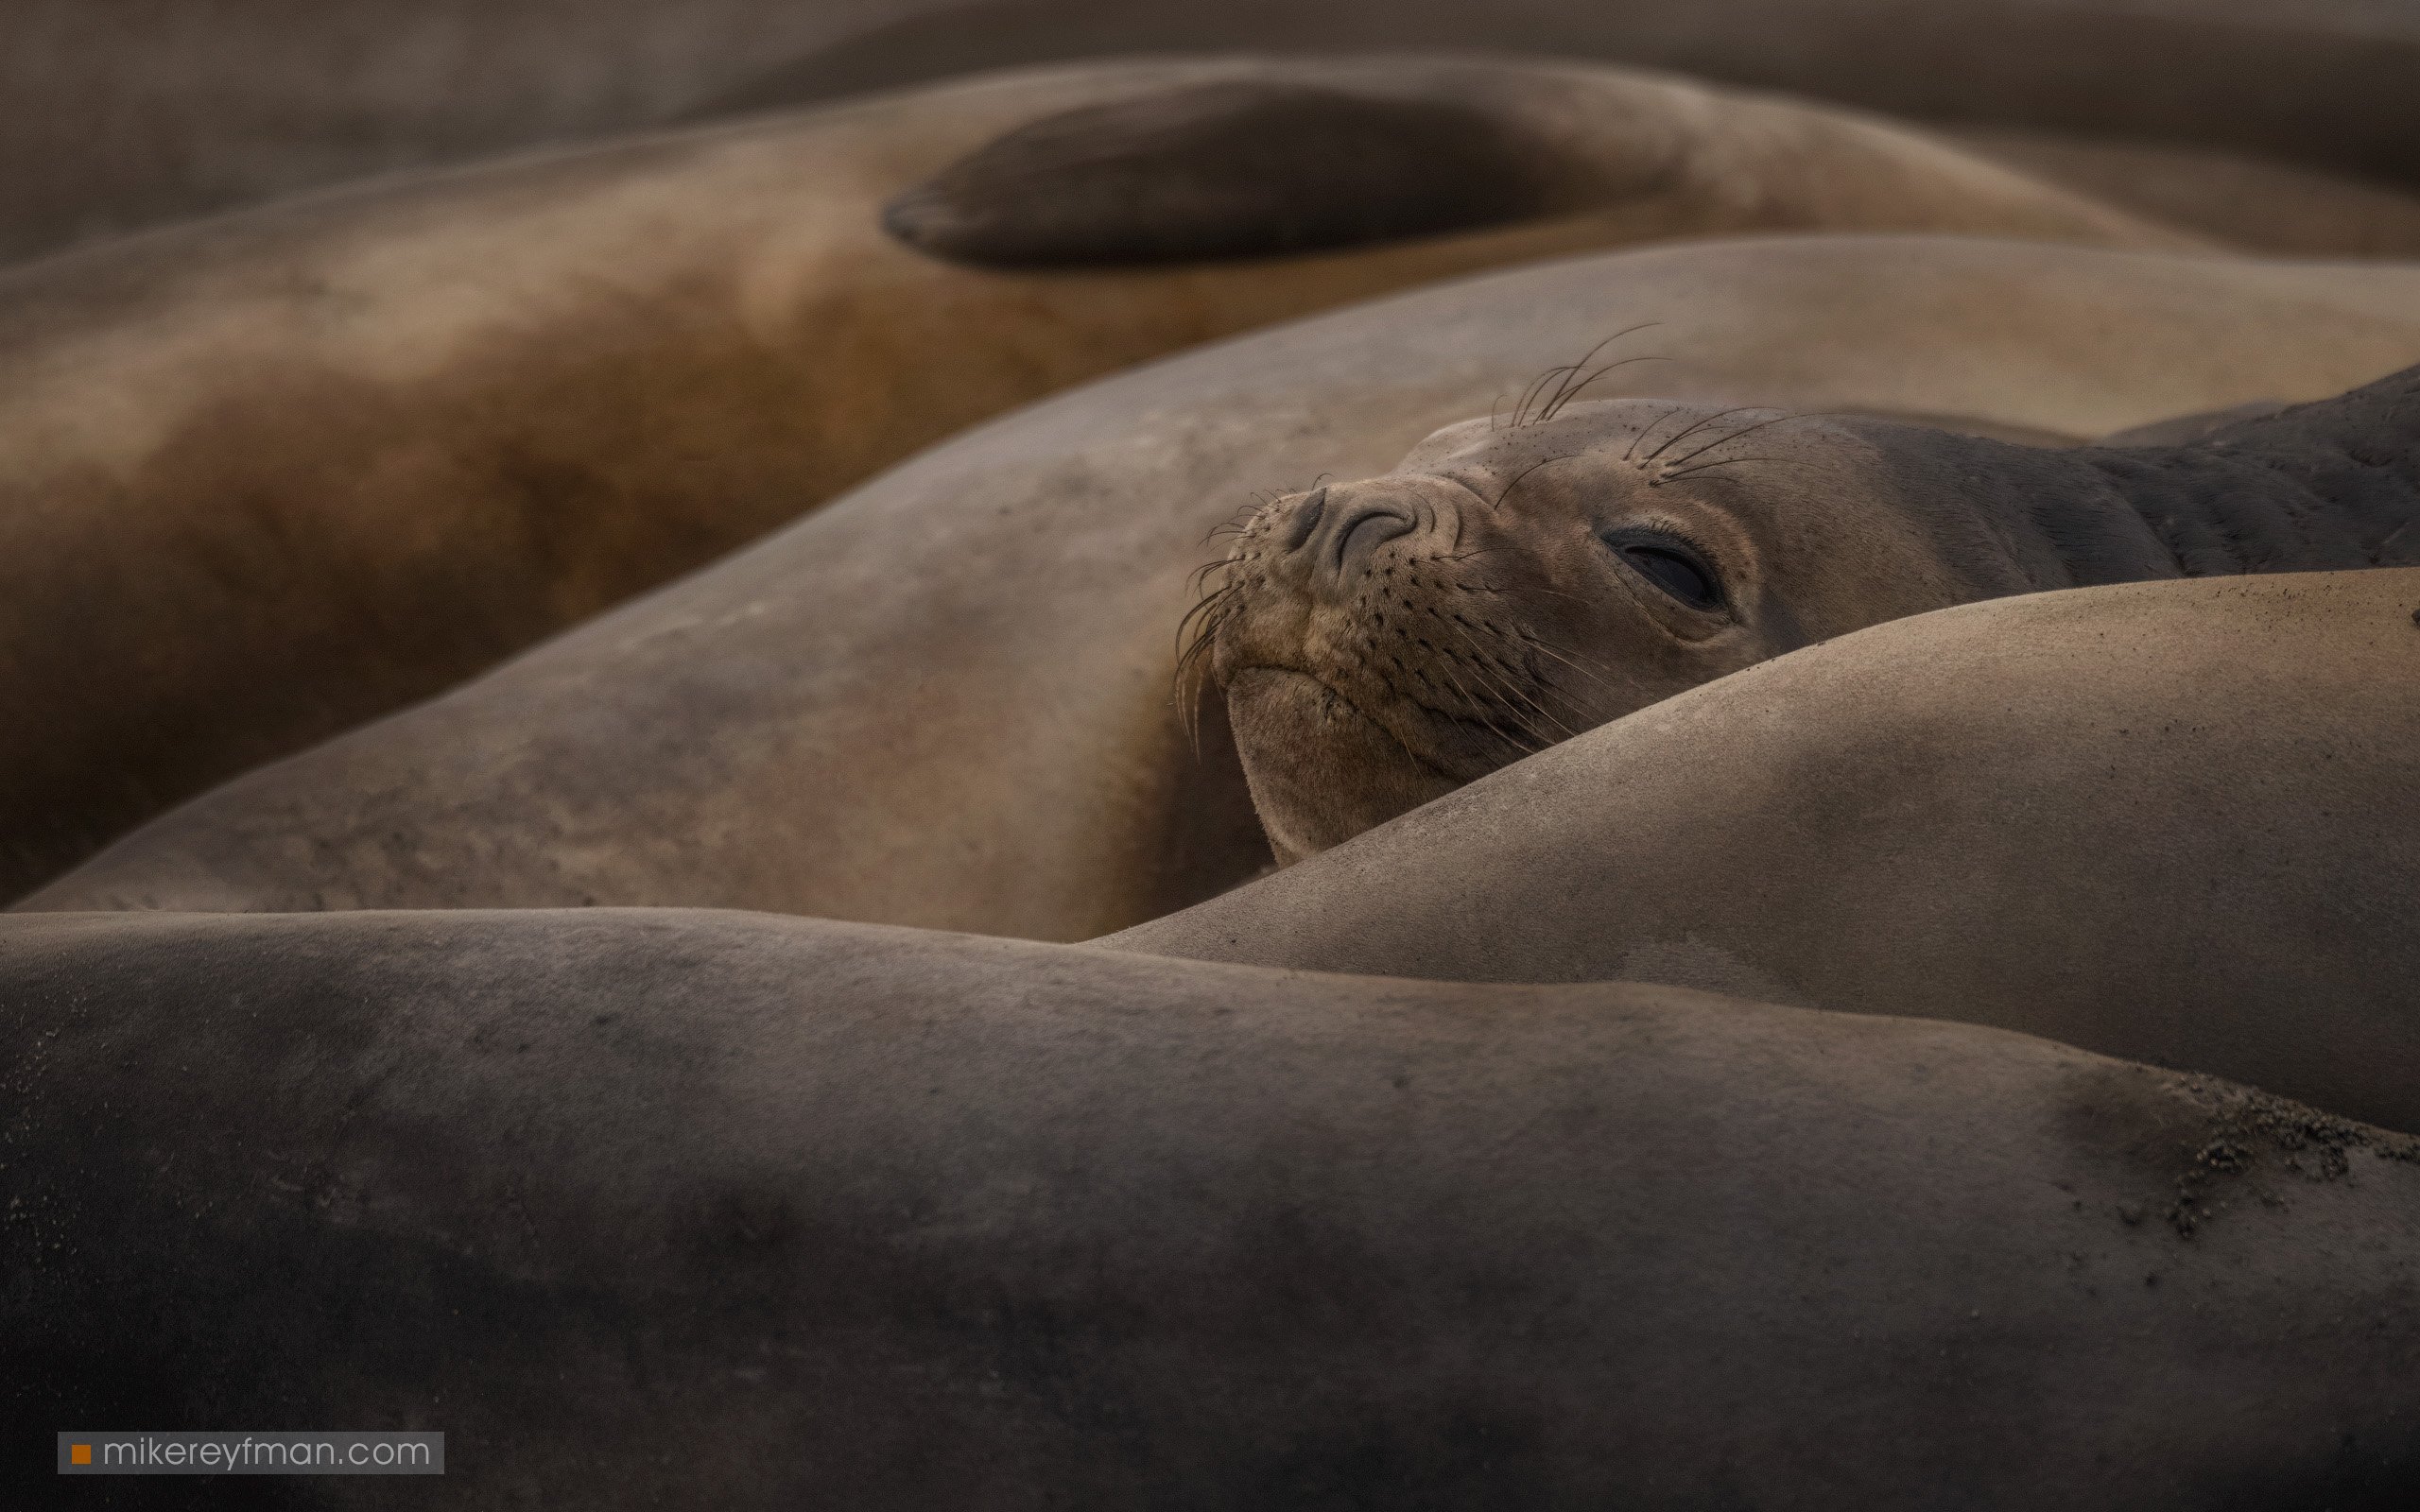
{"points": [[1322, 771]]}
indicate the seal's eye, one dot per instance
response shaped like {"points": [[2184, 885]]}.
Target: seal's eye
{"points": [[1671, 565]]}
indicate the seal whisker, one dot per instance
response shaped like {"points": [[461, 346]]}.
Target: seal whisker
{"points": [[1195, 634], [1628, 453], [1586, 358], [1481, 671], [1487, 707], [1529, 394], [1562, 397], [1536, 644], [1565, 389], [1516, 593], [1508, 488], [1671, 477], [1815, 414], [1196, 578], [1512, 706], [1736, 409]]}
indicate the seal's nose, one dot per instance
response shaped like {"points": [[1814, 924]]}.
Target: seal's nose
{"points": [[1333, 534], [1305, 519]]}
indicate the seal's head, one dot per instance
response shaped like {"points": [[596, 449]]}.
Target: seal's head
{"points": [[1382, 642]]}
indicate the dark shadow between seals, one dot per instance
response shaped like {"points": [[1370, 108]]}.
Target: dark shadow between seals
{"points": [[1229, 170]]}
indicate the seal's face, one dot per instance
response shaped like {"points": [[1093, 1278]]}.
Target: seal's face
{"points": [[1382, 642]]}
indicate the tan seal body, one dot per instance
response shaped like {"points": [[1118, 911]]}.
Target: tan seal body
{"points": [[2165, 820], [265, 478], [126, 113], [2245, 200], [1517, 579], [945, 701], [653, 1208]]}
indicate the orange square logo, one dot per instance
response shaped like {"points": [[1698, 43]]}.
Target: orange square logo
{"points": [[79, 1454]]}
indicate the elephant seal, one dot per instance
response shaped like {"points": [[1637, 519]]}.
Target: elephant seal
{"points": [[266, 477], [2277, 208], [1508, 585], [662, 1207], [2324, 82], [944, 701], [125, 116], [111, 126], [2166, 820]]}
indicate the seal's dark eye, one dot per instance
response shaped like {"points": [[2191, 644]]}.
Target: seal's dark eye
{"points": [[1670, 565]]}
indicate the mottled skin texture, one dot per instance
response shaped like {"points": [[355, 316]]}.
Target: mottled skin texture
{"points": [[2166, 820], [660, 1208], [129, 112], [265, 478], [1509, 584], [944, 701]]}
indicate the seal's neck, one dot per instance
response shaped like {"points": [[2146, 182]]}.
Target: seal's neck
{"points": [[2319, 487]]}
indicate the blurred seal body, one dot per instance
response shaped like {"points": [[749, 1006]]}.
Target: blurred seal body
{"points": [[2169, 820], [267, 476], [674, 1208], [944, 701]]}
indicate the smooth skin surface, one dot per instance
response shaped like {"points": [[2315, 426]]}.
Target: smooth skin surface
{"points": [[2324, 82], [125, 113], [945, 701], [651, 1207], [2170, 821], [268, 476]]}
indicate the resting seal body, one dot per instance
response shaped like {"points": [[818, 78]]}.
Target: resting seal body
{"points": [[2324, 82], [126, 115], [944, 701], [2170, 820], [2248, 201], [1517, 579], [265, 478], [113, 124], [664, 1208]]}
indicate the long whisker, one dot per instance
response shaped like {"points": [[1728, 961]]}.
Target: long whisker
{"points": [[1726, 462], [1736, 409], [1508, 488], [1554, 406], [1649, 426], [1565, 389], [1479, 668], [1511, 696], [1536, 644], [1513, 593], [1537, 386], [1491, 706], [1560, 376], [1744, 430]]}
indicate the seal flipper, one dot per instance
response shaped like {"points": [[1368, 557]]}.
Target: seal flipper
{"points": [[1236, 169]]}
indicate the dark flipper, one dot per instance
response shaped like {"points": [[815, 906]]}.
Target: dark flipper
{"points": [[1230, 170]]}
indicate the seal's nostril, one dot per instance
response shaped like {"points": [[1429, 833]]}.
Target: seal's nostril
{"points": [[1364, 532], [1307, 519]]}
